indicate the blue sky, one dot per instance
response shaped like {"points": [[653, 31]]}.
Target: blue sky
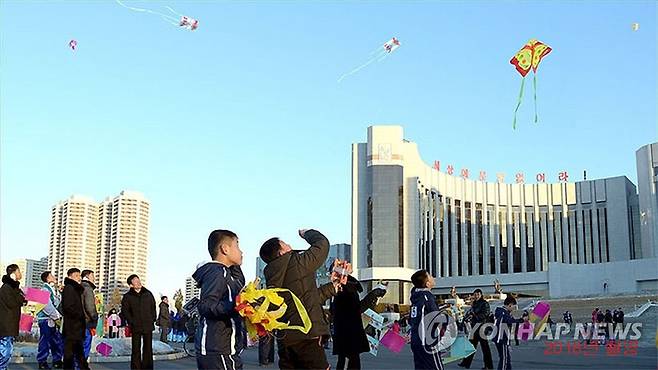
{"points": [[241, 124]]}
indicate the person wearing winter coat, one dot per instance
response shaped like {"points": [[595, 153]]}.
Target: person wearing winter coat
{"points": [[349, 336], [89, 304], [221, 336], [504, 323], [296, 270], [74, 321], [50, 338], [479, 315], [426, 356], [11, 300], [164, 320], [138, 306]]}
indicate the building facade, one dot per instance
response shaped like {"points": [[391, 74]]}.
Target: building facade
{"points": [[111, 238], [407, 215], [191, 289], [73, 236], [647, 178]]}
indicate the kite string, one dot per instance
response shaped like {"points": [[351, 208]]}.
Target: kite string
{"points": [[166, 17], [377, 57], [519, 103], [173, 11]]}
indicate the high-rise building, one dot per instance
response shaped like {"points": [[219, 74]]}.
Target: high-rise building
{"points": [[647, 179], [128, 241], [31, 271], [191, 289], [111, 238], [73, 236]]}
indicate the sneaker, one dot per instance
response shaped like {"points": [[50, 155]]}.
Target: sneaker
{"points": [[44, 365]]}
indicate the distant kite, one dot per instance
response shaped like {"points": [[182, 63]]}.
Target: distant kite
{"points": [[179, 20], [635, 26], [379, 54], [73, 44], [528, 58]]}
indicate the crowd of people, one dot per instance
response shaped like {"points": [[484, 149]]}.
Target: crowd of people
{"points": [[219, 331], [69, 320]]}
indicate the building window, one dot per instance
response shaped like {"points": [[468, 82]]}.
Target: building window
{"points": [[479, 237], [469, 240], [491, 223], [400, 227], [450, 256], [502, 235], [516, 235], [442, 270], [557, 235], [458, 217]]}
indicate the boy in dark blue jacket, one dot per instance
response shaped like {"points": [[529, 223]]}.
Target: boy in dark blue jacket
{"points": [[426, 352], [503, 321], [220, 336]]}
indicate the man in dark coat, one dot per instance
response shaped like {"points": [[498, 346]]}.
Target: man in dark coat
{"points": [[349, 336], [138, 305], [74, 320], [164, 320], [479, 314], [89, 304], [296, 271], [11, 300]]}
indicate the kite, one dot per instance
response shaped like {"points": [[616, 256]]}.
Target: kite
{"points": [[179, 20], [635, 26], [342, 270], [255, 306], [73, 44], [528, 58], [539, 316], [36, 299], [379, 54]]}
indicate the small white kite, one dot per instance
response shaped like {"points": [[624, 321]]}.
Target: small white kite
{"points": [[379, 54]]}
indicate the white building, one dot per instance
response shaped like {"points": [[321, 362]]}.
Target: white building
{"points": [[647, 178], [191, 290], [73, 236], [407, 215], [110, 238]]}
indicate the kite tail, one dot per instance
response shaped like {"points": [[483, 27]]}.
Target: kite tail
{"points": [[519, 103], [534, 85], [373, 59]]}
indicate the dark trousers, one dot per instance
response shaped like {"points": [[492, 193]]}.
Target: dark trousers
{"points": [[306, 354], [215, 362], [164, 330], [426, 360], [488, 362], [353, 361], [266, 350], [74, 352], [142, 358], [504, 357]]}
